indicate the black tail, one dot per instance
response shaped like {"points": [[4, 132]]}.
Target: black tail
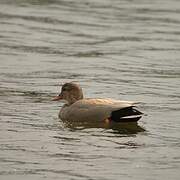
{"points": [[128, 114]]}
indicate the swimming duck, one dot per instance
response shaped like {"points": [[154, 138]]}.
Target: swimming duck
{"points": [[78, 108]]}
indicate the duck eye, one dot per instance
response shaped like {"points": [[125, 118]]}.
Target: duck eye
{"points": [[65, 89]]}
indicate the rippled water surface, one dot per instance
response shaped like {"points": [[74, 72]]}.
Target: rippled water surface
{"points": [[123, 49]]}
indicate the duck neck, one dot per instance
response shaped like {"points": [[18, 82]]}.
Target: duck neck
{"points": [[72, 99]]}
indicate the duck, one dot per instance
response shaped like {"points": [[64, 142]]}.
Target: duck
{"points": [[77, 108]]}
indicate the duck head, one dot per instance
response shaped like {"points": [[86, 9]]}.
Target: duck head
{"points": [[70, 92]]}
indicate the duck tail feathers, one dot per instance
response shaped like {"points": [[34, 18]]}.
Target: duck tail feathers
{"points": [[127, 114]]}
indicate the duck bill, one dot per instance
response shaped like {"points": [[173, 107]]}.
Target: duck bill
{"points": [[57, 98]]}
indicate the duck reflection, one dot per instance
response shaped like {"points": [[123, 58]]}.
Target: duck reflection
{"points": [[121, 128]]}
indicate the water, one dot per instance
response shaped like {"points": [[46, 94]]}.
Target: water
{"points": [[126, 50]]}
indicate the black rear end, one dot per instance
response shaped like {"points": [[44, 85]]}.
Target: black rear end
{"points": [[128, 114]]}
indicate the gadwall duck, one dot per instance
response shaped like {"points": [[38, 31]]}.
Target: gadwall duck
{"points": [[77, 108]]}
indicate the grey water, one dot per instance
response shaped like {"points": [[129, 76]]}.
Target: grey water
{"points": [[121, 49]]}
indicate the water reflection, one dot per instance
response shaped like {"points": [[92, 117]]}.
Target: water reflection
{"points": [[121, 128]]}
